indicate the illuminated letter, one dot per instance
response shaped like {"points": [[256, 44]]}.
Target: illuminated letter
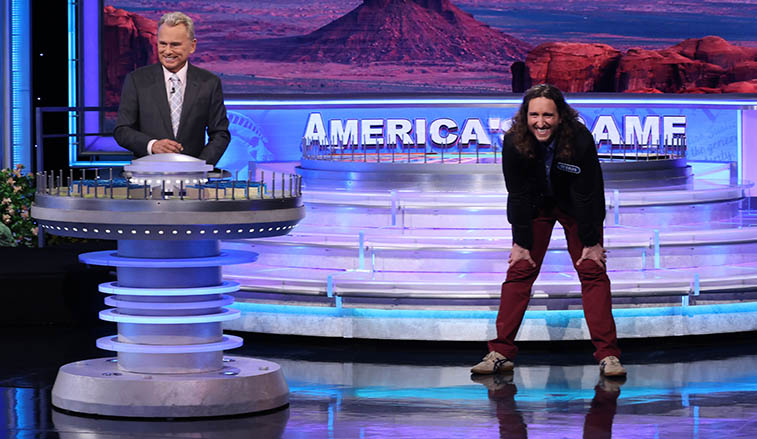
{"points": [[473, 130], [494, 125], [398, 131], [436, 131], [315, 129], [672, 126], [420, 132], [606, 129], [370, 129], [343, 135], [649, 135]]}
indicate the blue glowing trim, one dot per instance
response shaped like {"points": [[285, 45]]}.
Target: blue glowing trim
{"points": [[682, 101], [739, 147], [83, 163], [726, 308], [130, 304], [112, 315], [91, 14], [113, 288], [525, 393], [552, 318], [110, 258], [72, 78], [380, 102], [19, 98], [469, 393], [111, 343], [493, 101], [22, 411], [254, 308]]}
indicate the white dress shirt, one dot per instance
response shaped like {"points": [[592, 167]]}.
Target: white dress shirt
{"points": [[182, 74]]}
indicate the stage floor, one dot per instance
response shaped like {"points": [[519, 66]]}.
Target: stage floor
{"points": [[367, 389]]}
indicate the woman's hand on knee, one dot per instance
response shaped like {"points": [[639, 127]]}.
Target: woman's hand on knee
{"points": [[595, 253], [519, 253]]}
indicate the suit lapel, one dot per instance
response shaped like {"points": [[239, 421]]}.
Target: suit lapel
{"points": [[191, 91], [158, 89]]}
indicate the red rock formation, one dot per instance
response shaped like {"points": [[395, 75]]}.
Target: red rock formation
{"points": [[706, 65], [573, 67], [644, 90], [664, 70], [742, 71], [432, 31], [741, 87], [715, 50], [700, 90], [130, 41], [703, 65]]}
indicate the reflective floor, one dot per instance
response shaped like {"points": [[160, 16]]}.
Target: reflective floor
{"points": [[374, 390]]}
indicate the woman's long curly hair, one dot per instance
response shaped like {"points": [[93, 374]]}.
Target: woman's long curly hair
{"points": [[524, 140]]}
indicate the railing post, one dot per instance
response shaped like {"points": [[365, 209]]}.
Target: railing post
{"points": [[393, 196], [361, 251], [39, 165], [656, 248]]}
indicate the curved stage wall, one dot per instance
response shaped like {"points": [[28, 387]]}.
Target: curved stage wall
{"points": [[399, 243]]}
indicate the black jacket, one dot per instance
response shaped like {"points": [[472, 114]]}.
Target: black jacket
{"points": [[145, 114], [577, 187]]}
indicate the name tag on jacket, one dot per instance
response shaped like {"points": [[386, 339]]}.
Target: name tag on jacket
{"points": [[567, 167]]}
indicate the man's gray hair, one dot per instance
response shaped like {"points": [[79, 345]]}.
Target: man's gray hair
{"points": [[177, 18]]}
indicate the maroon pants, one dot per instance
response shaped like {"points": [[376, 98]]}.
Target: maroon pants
{"points": [[595, 290]]}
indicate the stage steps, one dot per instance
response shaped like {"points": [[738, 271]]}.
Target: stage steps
{"points": [[362, 254]]}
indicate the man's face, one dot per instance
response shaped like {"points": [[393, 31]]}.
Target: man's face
{"points": [[174, 46], [542, 118]]}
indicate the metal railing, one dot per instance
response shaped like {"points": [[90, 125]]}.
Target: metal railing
{"points": [[266, 186], [79, 135], [312, 149]]}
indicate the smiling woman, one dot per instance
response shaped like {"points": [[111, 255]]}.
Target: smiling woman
{"points": [[546, 132], [543, 119]]}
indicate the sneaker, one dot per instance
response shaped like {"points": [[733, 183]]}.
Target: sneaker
{"points": [[610, 366], [611, 384], [493, 362], [494, 382]]}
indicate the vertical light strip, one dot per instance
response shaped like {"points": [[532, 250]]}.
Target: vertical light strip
{"points": [[739, 145], [20, 78], [91, 12], [72, 61], [6, 159]]}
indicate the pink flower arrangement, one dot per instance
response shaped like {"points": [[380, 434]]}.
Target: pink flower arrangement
{"points": [[16, 196]]}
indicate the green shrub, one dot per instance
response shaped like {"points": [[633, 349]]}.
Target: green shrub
{"points": [[17, 228]]}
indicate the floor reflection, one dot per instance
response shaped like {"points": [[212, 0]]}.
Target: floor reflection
{"points": [[684, 399], [501, 392], [270, 425], [597, 423], [383, 399]]}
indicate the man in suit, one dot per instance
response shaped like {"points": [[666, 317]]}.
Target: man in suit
{"points": [[167, 107]]}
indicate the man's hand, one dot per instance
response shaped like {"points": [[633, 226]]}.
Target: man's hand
{"points": [[164, 146], [595, 253], [519, 253]]}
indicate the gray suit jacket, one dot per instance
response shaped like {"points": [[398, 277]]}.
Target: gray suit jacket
{"points": [[144, 113]]}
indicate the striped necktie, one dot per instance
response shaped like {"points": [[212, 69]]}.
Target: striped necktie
{"points": [[176, 99]]}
